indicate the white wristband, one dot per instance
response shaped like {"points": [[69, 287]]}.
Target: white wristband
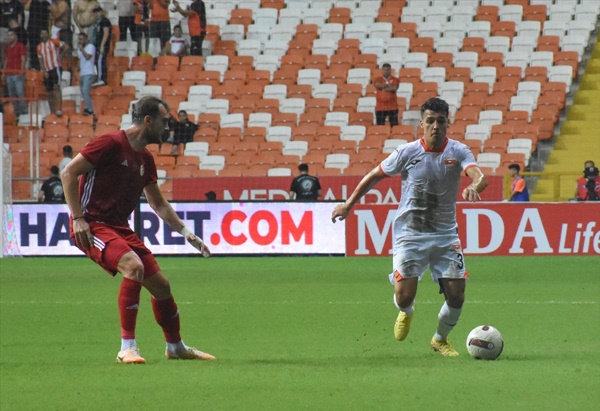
{"points": [[185, 231]]}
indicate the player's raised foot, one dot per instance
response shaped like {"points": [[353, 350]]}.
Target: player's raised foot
{"points": [[130, 356], [402, 325], [189, 353], [444, 347]]}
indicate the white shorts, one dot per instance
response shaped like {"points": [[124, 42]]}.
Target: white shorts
{"points": [[442, 254]]}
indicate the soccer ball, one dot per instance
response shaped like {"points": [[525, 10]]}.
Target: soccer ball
{"points": [[485, 343]]}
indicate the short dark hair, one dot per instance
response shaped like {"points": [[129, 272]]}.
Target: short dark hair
{"points": [[515, 167], [177, 27], [147, 106], [386, 65], [437, 105], [182, 111], [54, 170], [590, 161], [12, 31], [67, 150], [83, 34], [303, 168]]}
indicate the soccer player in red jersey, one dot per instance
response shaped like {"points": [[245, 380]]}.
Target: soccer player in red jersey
{"points": [[102, 187]]}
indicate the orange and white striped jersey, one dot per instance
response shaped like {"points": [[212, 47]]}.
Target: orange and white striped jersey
{"points": [[49, 52]]}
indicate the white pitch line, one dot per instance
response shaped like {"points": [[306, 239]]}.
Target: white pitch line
{"points": [[286, 302]]}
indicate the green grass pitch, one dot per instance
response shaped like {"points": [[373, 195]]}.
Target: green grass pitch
{"points": [[300, 333]]}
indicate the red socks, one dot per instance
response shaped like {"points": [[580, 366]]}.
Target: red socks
{"points": [[167, 316], [129, 300]]}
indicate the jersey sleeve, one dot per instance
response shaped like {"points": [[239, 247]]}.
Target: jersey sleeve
{"points": [[100, 150], [395, 162], [466, 157]]}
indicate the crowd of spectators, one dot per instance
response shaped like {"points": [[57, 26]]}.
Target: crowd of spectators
{"points": [[45, 35]]}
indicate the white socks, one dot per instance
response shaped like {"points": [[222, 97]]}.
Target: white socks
{"points": [[127, 343], [447, 319], [176, 348], [408, 310]]}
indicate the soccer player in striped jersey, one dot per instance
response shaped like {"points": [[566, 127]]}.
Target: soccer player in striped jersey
{"points": [[102, 187], [425, 231]]}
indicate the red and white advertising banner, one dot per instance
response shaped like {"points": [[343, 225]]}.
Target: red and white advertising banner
{"points": [[227, 228], [491, 229], [386, 191]]}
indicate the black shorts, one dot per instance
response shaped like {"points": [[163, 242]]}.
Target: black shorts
{"points": [[141, 29], [53, 80], [162, 30]]}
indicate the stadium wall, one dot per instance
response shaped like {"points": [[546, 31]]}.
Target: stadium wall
{"points": [[271, 228], [278, 188]]}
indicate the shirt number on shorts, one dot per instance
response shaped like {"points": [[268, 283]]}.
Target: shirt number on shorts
{"points": [[461, 262]]}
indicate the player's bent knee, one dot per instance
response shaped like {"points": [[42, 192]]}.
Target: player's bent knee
{"points": [[132, 267]]}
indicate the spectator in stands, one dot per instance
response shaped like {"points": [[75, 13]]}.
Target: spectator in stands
{"points": [[15, 57], [386, 100], [210, 196], [49, 52], [182, 131], [196, 14], [518, 189], [60, 19], [305, 187], [160, 23], [19, 30], [52, 189], [39, 19], [142, 21], [588, 186], [9, 9], [87, 72], [84, 16], [176, 46], [67, 157], [126, 11], [101, 35]]}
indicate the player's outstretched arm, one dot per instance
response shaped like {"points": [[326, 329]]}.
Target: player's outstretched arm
{"points": [[165, 211], [479, 183], [374, 176]]}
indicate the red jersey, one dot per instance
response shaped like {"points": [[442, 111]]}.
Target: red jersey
{"points": [[386, 100], [14, 54], [111, 191]]}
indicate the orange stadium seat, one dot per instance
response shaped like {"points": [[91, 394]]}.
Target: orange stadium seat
{"points": [[316, 61], [348, 47], [441, 59], [310, 119], [339, 15], [241, 63], [535, 12], [259, 78], [250, 91], [503, 28], [298, 47], [487, 13], [305, 132], [208, 78], [476, 44], [404, 29], [389, 14], [142, 63], [299, 91], [255, 134], [191, 62]]}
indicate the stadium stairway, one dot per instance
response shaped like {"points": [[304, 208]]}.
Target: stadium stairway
{"points": [[578, 140]]}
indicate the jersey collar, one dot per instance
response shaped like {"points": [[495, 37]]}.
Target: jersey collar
{"points": [[434, 150]]}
